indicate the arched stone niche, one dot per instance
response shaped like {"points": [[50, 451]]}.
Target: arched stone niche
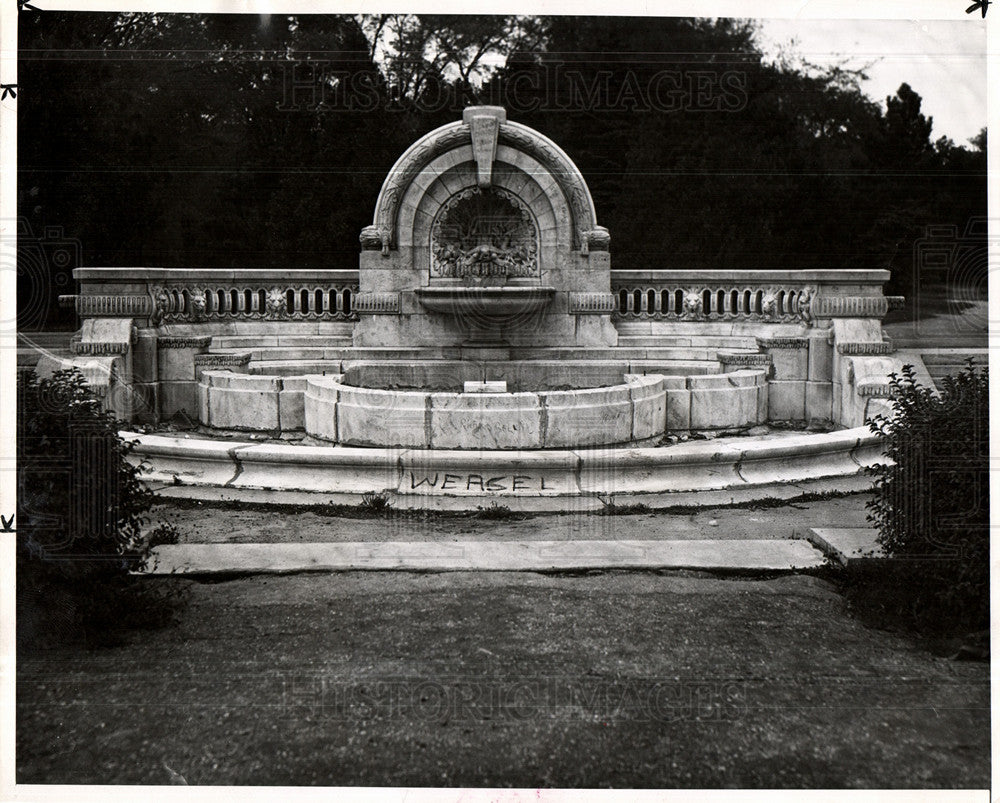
{"points": [[536, 226]]}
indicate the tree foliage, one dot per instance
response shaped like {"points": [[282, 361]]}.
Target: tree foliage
{"points": [[229, 141]]}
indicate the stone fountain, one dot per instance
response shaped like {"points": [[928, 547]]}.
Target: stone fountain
{"points": [[485, 336]]}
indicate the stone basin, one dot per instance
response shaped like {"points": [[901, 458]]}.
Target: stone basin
{"points": [[488, 304]]}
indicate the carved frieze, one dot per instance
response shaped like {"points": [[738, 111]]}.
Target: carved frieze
{"points": [[849, 306], [377, 303], [181, 342], [782, 342], [222, 360], [748, 358], [113, 305], [592, 303], [866, 349]]}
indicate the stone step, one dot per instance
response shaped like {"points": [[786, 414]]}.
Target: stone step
{"points": [[275, 353], [293, 367], [921, 374], [847, 545], [28, 357], [46, 340], [32, 345], [333, 365], [951, 361], [483, 555], [244, 342], [707, 343]]}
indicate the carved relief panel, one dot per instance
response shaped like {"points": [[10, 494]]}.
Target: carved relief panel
{"points": [[484, 233]]}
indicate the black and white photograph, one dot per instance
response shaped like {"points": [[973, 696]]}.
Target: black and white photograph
{"points": [[464, 403]]}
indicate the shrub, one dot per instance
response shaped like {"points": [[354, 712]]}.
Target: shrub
{"points": [[931, 503], [80, 512], [495, 511], [375, 503]]}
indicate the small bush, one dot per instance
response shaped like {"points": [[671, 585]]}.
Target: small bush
{"points": [[612, 508], [494, 511], [375, 503], [931, 504], [80, 514]]}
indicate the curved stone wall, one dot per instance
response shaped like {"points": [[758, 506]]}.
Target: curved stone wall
{"points": [[720, 471], [641, 408], [362, 416]]}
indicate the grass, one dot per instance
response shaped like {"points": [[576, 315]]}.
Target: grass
{"points": [[616, 680]]}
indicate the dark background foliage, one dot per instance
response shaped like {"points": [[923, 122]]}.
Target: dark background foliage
{"points": [[174, 140]]}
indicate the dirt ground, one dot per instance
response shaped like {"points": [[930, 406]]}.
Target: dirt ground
{"points": [[621, 679], [206, 523]]}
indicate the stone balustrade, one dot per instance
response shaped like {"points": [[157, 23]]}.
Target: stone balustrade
{"points": [[183, 295], [176, 295], [770, 296]]}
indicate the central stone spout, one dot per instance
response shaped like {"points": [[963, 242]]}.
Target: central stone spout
{"points": [[496, 305], [486, 311]]}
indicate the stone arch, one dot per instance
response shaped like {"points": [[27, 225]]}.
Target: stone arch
{"points": [[514, 145], [453, 172]]}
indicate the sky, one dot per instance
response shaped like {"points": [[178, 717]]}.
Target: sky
{"points": [[944, 61]]}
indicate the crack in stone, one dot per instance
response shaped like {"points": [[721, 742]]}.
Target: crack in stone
{"points": [[237, 462]]}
